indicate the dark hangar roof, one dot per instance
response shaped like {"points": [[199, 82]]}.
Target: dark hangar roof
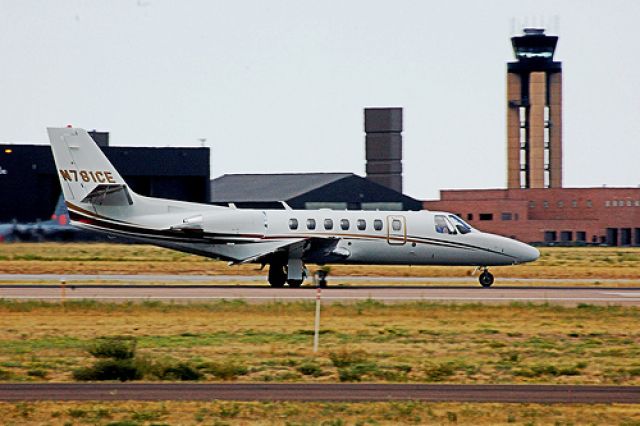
{"points": [[269, 187]]}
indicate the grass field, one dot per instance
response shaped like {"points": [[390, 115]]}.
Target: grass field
{"points": [[365, 341], [74, 258], [325, 414]]}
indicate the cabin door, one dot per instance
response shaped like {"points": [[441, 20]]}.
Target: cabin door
{"points": [[396, 230]]}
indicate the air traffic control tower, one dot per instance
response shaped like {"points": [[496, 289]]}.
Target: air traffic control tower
{"points": [[534, 113]]}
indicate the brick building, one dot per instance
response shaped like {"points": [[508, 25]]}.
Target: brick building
{"points": [[535, 208], [550, 216]]}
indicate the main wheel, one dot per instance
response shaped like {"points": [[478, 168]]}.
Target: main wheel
{"points": [[486, 279], [277, 277], [295, 283]]}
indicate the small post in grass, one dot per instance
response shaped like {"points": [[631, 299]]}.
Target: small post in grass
{"points": [[63, 289], [316, 334]]}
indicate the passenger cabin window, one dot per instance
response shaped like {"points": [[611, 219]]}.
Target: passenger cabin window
{"points": [[311, 224], [328, 224], [396, 225], [462, 226], [293, 224], [344, 224], [443, 226], [377, 225], [361, 224]]}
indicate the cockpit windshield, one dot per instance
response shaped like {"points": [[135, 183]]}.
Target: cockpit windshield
{"points": [[462, 226], [443, 225]]}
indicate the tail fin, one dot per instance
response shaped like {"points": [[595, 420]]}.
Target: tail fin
{"points": [[85, 173]]}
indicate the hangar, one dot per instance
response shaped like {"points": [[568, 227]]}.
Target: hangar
{"points": [[338, 191], [29, 187]]}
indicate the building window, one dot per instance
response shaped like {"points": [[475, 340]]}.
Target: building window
{"points": [[469, 216], [566, 236], [486, 216], [545, 204], [362, 224], [637, 203], [506, 216], [589, 203], [328, 224], [377, 225], [561, 204], [293, 224], [311, 224], [550, 236], [344, 224], [532, 204], [396, 225], [574, 203], [629, 203], [581, 236], [607, 203]]}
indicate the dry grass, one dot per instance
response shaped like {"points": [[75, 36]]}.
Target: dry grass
{"points": [[75, 258], [413, 342], [299, 413]]}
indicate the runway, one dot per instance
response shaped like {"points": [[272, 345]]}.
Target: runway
{"points": [[255, 294], [335, 280], [318, 392]]}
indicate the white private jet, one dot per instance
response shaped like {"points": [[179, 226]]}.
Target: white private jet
{"points": [[99, 199]]}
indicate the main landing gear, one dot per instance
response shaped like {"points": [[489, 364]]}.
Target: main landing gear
{"points": [[279, 276], [485, 278]]}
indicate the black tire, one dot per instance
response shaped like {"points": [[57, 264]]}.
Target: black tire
{"points": [[277, 277], [486, 279], [295, 283]]}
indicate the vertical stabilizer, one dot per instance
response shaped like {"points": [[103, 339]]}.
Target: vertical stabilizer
{"points": [[85, 173]]}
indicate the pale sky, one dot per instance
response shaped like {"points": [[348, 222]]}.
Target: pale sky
{"points": [[279, 86]]}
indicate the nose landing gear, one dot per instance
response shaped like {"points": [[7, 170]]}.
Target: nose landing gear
{"points": [[485, 278]]}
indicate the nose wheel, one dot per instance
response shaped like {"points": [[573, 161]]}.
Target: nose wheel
{"points": [[321, 277], [486, 278]]}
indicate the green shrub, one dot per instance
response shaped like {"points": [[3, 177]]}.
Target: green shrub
{"points": [[110, 369], [310, 368], [355, 372], [4, 374], [550, 370], [114, 347], [226, 370], [344, 357], [179, 371], [37, 373], [440, 372]]}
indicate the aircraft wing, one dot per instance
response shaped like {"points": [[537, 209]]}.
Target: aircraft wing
{"points": [[315, 250]]}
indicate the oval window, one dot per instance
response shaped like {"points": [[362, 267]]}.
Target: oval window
{"points": [[311, 224], [293, 223], [328, 224], [377, 225], [362, 224], [396, 225], [344, 224]]}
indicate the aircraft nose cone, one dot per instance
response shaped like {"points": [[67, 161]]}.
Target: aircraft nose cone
{"points": [[527, 253]]}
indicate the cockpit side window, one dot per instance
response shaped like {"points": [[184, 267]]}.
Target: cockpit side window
{"points": [[443, 226], [462, 226]]}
